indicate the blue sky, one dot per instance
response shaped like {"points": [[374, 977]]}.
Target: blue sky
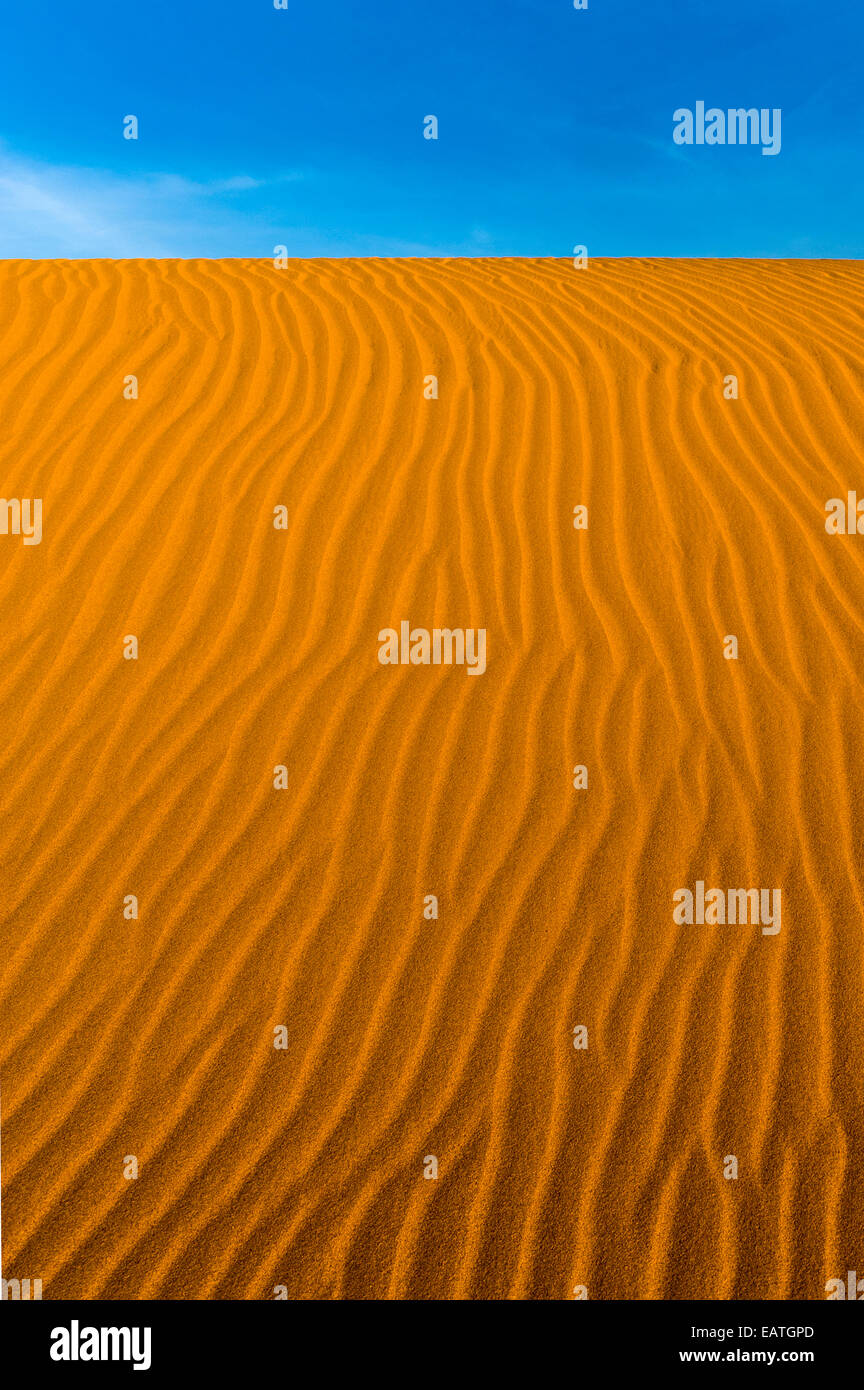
{"points": [[304, 127]]}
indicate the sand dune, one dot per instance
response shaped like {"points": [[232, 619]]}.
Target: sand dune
{"points": [[303, 907]]}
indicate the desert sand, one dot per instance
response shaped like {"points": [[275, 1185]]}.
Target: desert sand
{"points": [[304, 906]]}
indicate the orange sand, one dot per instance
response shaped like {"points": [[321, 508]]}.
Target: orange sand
{"points": [[410, 1037]]}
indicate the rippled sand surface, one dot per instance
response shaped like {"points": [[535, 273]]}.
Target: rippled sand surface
{"points": [[304, 907]]}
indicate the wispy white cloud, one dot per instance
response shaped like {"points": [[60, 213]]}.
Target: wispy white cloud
{"points": [[49, 210], [52, 211]]}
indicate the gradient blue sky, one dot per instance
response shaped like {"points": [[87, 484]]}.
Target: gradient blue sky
{"points": [[303, 127]]}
